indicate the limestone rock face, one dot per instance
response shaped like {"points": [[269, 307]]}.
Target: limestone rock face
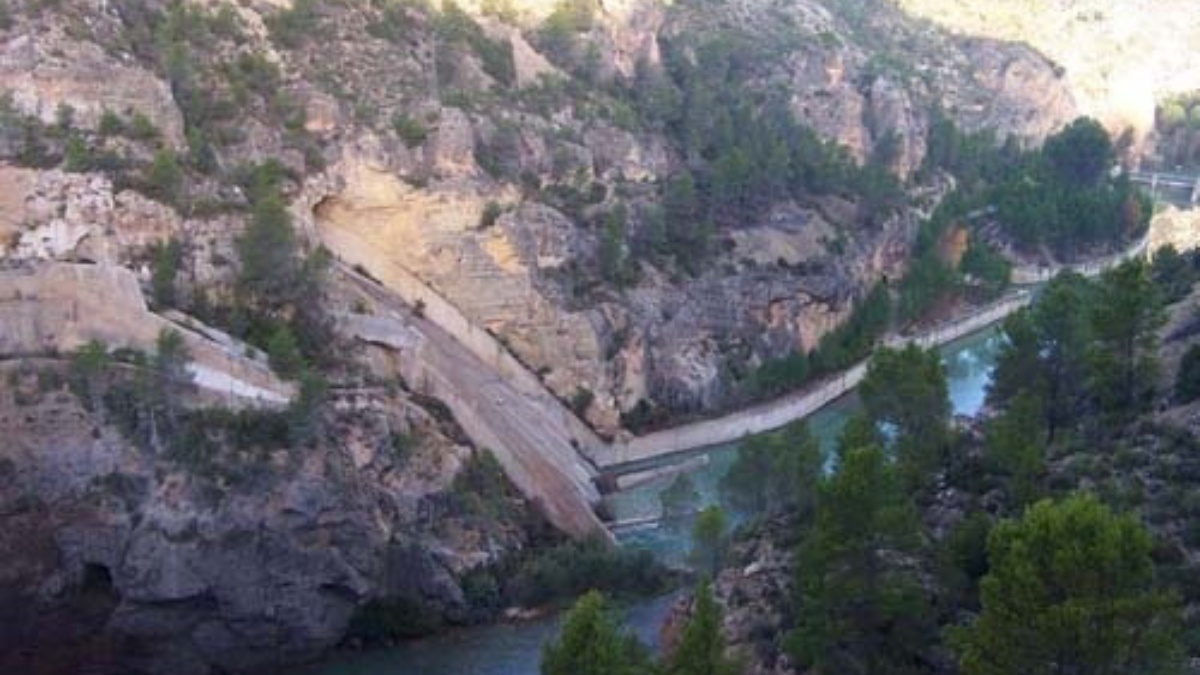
{"points": [[44, 71], [493, 200], [68, 216], [451, 151], [1175, 227], [631, 34], [265, 567], [1117, 58]]}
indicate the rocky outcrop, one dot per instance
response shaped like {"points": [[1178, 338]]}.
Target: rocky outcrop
{"points": [[1116, 58], [867, 75], [1175, 227], [74, 216], [478, 201], [118, 559], [57, 308], [754, 595], [49, 74]]}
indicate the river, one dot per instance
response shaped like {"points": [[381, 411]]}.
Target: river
{"points": [[514, 649]]}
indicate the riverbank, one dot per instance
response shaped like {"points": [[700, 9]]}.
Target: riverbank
{"points": [[505, 648], [625, 456], [968, 363]]}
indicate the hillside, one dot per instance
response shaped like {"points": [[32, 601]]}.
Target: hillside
{"points": [[280, 279], [1119, 58]]}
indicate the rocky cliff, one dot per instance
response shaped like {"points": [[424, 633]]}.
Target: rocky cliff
{"points": [[516, 160], [489, 181], [1117, 58], [122, 560]]}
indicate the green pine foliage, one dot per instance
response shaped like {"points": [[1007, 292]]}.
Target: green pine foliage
{"points": [[1071, 590], [592, 643], [858, 611], [1187, 380], [710, 541], [1016, 446], [1125, 321], [1174, 273], [165, 262], [701, 648], [775, 473], [905, 393]]}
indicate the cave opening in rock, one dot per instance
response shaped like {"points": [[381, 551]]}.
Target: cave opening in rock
{"points": [[96, 586]]}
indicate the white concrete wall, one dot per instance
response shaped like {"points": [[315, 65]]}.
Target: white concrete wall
{"points": [[1026, 275], [355, 251], [780, 412]]}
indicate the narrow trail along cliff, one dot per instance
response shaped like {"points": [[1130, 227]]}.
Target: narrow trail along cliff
{"points": [[546, 450], [621, 456]]}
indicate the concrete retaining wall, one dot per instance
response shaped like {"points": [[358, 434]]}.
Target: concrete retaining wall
{"points": [[1026, 275], [535, 450], [355, 251], [780, 412]]}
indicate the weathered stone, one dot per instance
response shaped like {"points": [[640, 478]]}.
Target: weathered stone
{"points": [[47, 70]]}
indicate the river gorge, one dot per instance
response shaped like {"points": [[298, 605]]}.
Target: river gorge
{"points": [[515, 648]]}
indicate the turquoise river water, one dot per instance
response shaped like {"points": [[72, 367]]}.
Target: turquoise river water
{"points": [[514, 648]]}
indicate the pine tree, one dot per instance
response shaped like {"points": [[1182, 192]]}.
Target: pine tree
{"points": [[709, 541], [1071, 590], [613, 254], [591, 644], [1126, 316], [905, 390], [267, 252], [858, 613], [776, 471], [1018, 364], [1015, 446], [1063, 336], [701, 649], [165, 178]]}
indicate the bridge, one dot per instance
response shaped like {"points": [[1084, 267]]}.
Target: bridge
{"points": [[1169, 186]]}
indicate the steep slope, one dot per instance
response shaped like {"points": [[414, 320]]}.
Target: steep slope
{"points": [[1118, 58], [631, 204]]}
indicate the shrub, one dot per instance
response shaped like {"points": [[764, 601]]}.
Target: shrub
{"points": [[409, 129], [110, 124], [570, 569], [291, 28], [141, 128], [491, 213], [1187, 381], [381, 620], [582, 400], [164, 179], [163, 270], [77, 157]]}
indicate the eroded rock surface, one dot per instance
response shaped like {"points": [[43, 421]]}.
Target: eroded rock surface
{"points": [[115, 557]]}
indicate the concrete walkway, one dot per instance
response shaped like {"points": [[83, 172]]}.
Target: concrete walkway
{"points": [[545, 449], [621, 457]]}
